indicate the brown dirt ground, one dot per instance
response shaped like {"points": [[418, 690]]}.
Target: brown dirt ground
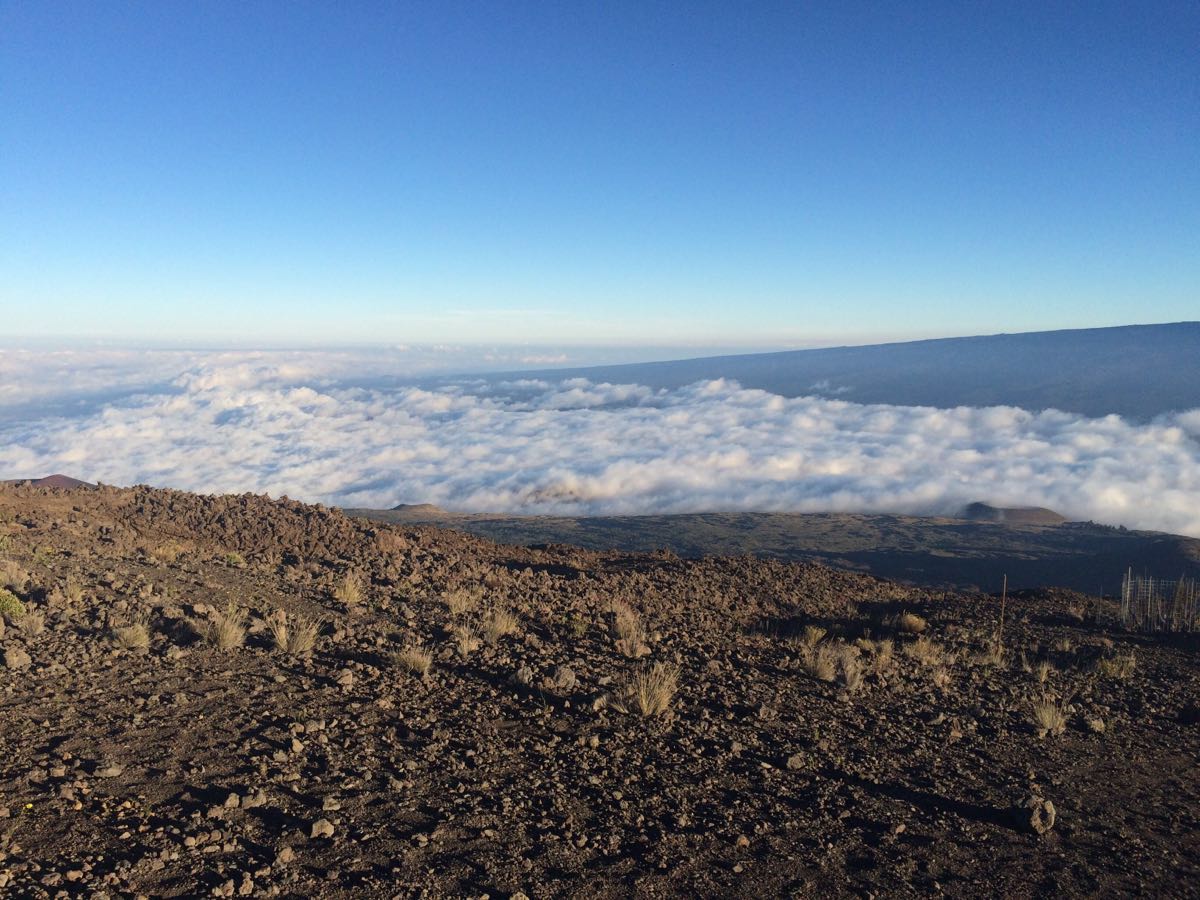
{"points": [[186, 770]]}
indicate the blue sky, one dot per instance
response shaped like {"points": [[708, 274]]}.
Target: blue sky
{"points": [[709, 174]]}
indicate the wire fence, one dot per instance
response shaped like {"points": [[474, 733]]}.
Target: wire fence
{"points": [[1160, 604]]}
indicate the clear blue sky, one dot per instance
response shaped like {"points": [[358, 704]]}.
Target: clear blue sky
{"points": [[620, 172]]}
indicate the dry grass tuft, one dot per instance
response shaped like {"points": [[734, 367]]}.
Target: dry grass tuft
{"points": [[1049, 717], [1042, 671], [278, 626], [821, 662], [463, 600], [884, 655], [911, 623], [500, 623], [651, 690], [225, 630], [992, 656], [135, 635], [466, 640], [73, 592], [32, 623], [414, 659], [296, 637], [167, 553], [625, 622], [927, 652], [812, 635], [628, 630], [850, 668], [13, 577], [940, 677], [1121, 667], [349, 591], [632, 648]]}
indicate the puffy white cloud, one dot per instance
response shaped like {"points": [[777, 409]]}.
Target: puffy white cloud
{"points": [[305, 425]]}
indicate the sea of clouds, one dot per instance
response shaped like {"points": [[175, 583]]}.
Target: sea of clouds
{"points": [[341, 428]]}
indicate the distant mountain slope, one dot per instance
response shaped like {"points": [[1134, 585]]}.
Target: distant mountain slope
{"points": [[932, 552], [1136, 371], [61, 482], [1018, 515]]}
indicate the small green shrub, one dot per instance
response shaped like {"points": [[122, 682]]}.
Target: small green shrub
{"points": [[10, 607]]}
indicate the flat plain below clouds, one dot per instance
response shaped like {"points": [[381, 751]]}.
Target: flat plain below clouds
{"points": [[317, 427]]}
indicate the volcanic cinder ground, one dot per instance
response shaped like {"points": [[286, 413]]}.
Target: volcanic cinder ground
{"points": [[828, 733]]}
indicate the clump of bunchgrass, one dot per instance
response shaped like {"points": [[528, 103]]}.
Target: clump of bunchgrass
{"points": [[415, 659], [811, 636], [911, 623], [991, 656], [1120, 667], [1042, 671], [499, 623], [72, 592], [463, 600], [927, 652], [135, 635], [628, 630], [1049, 716], [820, 661], [32, 623], [349, 591], [466, 640], [12, 577], [296, 635], [169, 553], [850, 669], [226, 629], [650, 691], [884, 655]]}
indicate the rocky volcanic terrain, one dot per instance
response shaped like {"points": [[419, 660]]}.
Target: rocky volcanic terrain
{"points": [[447, 717]]}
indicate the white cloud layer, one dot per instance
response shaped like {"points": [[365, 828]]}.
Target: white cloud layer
{"points": [[295, 424]]}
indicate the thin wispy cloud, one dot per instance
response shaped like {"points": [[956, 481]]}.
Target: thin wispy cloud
{"points": [[303, 424]]}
